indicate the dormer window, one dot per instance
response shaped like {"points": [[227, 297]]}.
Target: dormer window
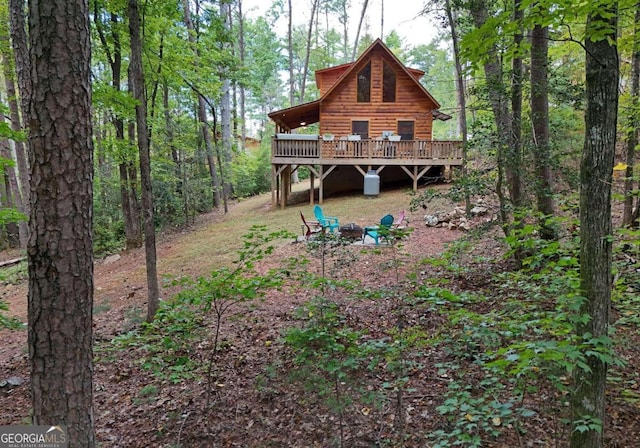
{"points": [[388, 84], [364, 84]]}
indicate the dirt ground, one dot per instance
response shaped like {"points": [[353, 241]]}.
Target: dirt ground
{"points": [[245, 399]]}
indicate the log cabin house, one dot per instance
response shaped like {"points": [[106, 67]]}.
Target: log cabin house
{"points": [[373, 115]]}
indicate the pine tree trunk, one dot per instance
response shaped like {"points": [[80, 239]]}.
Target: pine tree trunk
{"points": [[60, 251], [344, 20], [137, 75], [303, 78], [22, 194], [355, 42], [21, 55], [602, 72]]}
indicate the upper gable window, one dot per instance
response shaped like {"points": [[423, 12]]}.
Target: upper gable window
{"points": [[364, 84], [388, 84]]}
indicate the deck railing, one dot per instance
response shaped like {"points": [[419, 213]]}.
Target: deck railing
{"points": [[366, 149]]}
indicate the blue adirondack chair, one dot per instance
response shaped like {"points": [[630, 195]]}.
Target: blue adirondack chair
{"points": [[327, 222], [383, 230]]}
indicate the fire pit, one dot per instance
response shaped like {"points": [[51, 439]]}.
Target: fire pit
{"points": [[351, 231]]}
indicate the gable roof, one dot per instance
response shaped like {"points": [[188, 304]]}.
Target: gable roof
{"points": [[365, 56], [308, 113], [336, 68]]}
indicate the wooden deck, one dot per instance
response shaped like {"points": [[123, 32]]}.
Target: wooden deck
{"points": [[366, 152], [322, 157]]}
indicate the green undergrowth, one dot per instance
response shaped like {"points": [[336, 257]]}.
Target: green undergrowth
{"points": [[498, 356], [192, 319], [15, 274], [11, 275], [499, 347]]}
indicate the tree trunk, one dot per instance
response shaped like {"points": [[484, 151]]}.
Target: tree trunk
{"points": [[211, 160], [241, 48], [10, 184], [17, 121], [507, 158], [19, 193], [206, 136], [178, 166], [303, 80], [344, 21], [21, 55], [632, 134], [292, 82], [154, 92], [461, 96], [602, 72], [382, 19], [225, 115], [202, 112], [60, 251], [18, 232], [130, 177], [137, 76], [130, 207], [18, 31], [103, 167], [128, 189], [355, 42], [514, 148], [540, 123]]}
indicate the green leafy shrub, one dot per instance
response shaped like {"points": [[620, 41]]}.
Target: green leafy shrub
{"points": [[182, 322], [251, 172], [327, 354], [108, 235]]}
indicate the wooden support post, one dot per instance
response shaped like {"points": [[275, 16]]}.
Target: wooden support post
{"points": [[321, 186], [312, 176], [285, 185], [277, 185], [274, 186], [361, 170]]}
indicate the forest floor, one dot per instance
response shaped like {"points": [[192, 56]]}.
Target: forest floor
{"points": [[251, 389]]}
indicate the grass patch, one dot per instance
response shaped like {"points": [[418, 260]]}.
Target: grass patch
{"points": [[14, 274]]}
